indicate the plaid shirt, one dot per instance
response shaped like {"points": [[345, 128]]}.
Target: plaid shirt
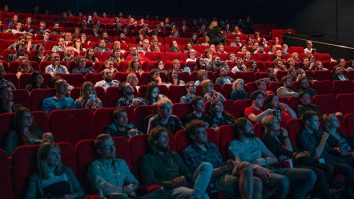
{"points": [[193, 156], [187, 98]]}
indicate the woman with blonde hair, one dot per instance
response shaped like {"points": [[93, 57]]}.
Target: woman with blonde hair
{"points": [[52, 179], [238, 91], [209, 93], [88, 98], [135, 66]]}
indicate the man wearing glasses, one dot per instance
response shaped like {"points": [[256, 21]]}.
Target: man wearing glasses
{"points": [[56, 67]]}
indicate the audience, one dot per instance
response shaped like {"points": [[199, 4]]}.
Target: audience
{"points": [[37, 81], [120, 125], [238, 91], [282, 111], [6, 100], [254, 112], [128, 99], [56, 67], [218, 116], [285, 90], [209, 93], [107, 81], [306, 105], [191, 89], [3, 81]]}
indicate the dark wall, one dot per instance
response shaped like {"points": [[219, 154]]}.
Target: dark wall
{"points": [[329, 19]]}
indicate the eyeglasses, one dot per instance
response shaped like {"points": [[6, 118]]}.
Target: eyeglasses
{"points": [[108, 147]]}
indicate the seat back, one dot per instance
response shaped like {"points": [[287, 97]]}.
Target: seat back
{"points": [[327, 103], [349, 124], [345, 103], [38, 95], [103, 117], [294, 127], [226, 135], [343, 86], [176, 92], [6, 123], [181, 109], [21, 96], [6, 189], [323, 87], [112, 96], [72, 125], [141, 113]]}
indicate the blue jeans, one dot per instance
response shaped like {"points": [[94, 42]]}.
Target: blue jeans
{"points": [[201, 177]]}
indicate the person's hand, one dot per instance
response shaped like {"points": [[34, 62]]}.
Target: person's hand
{"points": [[284, 132], [231, 164], [325, 135], [127, 189], [133, 131], [263, 173], [269, 111], [179, 181]]}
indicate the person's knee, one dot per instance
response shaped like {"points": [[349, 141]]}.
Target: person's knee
{"points": [[206, 167], [283, 183], [246, 169], [311, 177]]}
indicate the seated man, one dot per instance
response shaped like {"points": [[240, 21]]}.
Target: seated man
{"points": [[247, 147], [164, 117], [224, 175], [314, 140], [304, 86], [108, 174], [107, 81], [254, 112], [285, 90], [191, 89], [339, 75], [306, 105], [164, 167], [56, 67], [101, 46], [198, 113], [120, 125], [59, 101], [223, 77], [128, 99]]}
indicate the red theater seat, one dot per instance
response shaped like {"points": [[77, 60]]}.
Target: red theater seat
{"points": [[294, 128], [323, 75], [226, 135], [181, 109], [6, 123], [323, 87], [343, 86], [141, 113], [6, 190], [38, 95], [103, 117], [327, 103], [345, 103], [176, 92], [72, 125], [21, 96], [112, 96], [74, 79], [349, 124]]}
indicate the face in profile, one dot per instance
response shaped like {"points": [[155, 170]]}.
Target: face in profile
{"points": [[162, 142], [54, 157]]}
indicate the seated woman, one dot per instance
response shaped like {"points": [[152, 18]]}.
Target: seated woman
{"points": [[262, 86], [172, 79], [238, 91], [120, 125], [40, 55], [133, 80], [24, 67], [6, 100], [174, 47], [278, 142], [59, 100], [160, 66], [155, 77], [88, 98], [135, 66], [209, 93], [53, 179], [336, 140], [201, 75], [25, 131], [37, 81], [90, 55], [152, 94], [128, 99], [218, 116], [282, 111], [81, 66]]}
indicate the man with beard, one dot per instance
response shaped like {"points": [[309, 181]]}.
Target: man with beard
{"points": [[165, 167], [225, 176], [107, 81], [108, 173], [56, 67], [247, 147]]}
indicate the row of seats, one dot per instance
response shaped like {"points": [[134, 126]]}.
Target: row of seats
{"points": [[14, 180], [82, 123]]}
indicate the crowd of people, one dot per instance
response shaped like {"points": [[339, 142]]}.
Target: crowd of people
{"points": [[253, 166]]}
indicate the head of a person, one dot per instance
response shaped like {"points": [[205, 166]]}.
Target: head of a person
{"points": [[238, 85], [105, 147], [6, 94], [132, 79], [216, 106], [108, 64], [152, 91], [243, 128], [192, 53], [23, 119], [61, 87], [160, 65], [127, 91], [271, 101], [309, 44], [270, 124], [304, 82], [306, 61], [198, 104], [164, 106], [305, 98], [55, 57], [120, 117], [190, 87], [207, 85], [81, 62], [158, 139], [176, 64], [134, 65], [107, 75], [37, 78], [310, 120], [25, 67], [341, 62], [196, 130], [49, 157], [287, 81], [87, 89], [202, 75], [222, 71], [257, 98], [331, 121], [133, 51]]}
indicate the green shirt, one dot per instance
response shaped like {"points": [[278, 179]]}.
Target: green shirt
{"points": [[156, 168]]}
